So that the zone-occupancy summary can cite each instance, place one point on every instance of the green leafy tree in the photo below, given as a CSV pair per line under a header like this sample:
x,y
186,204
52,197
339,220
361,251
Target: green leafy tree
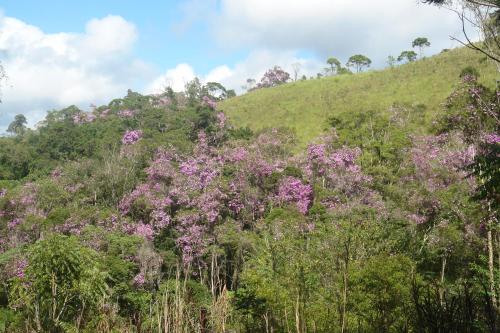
x,y
421,43
63,281
193,91
409,56
335,65
359,62
18,126
391,61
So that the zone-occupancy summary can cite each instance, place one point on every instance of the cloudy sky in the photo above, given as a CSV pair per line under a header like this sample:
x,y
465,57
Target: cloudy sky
x,y
58,52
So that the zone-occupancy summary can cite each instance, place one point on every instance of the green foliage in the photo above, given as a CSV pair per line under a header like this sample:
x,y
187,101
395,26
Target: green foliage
x,y
387,243
63,280
469,70
409,56
359,61
306,106
18,126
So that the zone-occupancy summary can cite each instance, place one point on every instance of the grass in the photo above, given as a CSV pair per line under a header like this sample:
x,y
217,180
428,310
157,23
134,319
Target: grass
x,y
306,106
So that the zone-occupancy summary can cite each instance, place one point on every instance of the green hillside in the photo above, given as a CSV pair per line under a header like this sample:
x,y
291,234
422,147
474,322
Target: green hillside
x,y
306,105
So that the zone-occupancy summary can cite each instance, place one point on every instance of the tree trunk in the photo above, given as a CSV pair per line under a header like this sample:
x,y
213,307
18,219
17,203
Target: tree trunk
x,y
345,289
491,267
441,287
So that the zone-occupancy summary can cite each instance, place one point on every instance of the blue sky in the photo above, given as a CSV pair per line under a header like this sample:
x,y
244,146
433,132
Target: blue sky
x,y
58,53
161,41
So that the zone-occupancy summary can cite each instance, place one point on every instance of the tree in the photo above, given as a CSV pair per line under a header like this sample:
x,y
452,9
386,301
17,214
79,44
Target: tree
x,y
274,77
359,61
62,281
482,15
335,65
421,43
409,56
250,84
193,91
391,61
18,126
296,69
216,90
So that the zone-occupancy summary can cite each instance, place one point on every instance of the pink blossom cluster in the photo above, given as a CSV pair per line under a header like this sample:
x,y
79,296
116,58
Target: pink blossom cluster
x,y
105,113
131,137
292,190
207,101
274,77
20,268
193,193
139,280
221,120
431,155
14,223
144,230
126,113
335,168
83,117
193,238
492,138
56,173
71,227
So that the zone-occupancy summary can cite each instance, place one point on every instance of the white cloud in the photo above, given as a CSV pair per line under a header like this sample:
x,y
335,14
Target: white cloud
x,y
330,27
255,65
219,74
235,77
56,70
277,31
175,78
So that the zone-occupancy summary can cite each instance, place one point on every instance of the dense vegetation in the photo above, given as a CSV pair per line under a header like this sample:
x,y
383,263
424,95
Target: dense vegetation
x,y
158,214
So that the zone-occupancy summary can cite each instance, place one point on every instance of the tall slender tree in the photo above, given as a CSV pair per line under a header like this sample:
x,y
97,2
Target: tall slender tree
x,y
421,43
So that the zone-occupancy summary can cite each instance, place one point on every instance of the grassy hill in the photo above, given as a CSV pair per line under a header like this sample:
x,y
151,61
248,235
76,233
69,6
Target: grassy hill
x,y
307,105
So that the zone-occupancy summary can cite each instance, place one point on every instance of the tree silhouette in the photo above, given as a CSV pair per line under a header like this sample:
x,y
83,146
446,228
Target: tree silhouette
x,y
409,56
335,65
421,43
359,61
18,126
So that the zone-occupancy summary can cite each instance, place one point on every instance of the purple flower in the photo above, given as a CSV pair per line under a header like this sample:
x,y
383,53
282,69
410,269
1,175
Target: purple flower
x,y
417,219
291,190
209,102
82,117
492,138
144,230
131,137
20,268
189,168
104,113
273,77
14,223
56,173
126,113
221,119
139,280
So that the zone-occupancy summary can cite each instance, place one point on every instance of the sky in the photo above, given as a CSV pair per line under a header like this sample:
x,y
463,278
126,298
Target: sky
x,y
58,53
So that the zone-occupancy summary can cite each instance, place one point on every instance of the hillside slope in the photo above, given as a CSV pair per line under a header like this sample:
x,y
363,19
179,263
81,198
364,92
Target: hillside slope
x,y
306,105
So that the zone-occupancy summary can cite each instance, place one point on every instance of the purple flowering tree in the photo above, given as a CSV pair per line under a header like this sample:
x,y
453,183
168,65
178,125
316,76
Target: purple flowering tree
x,y
131,137
274,77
